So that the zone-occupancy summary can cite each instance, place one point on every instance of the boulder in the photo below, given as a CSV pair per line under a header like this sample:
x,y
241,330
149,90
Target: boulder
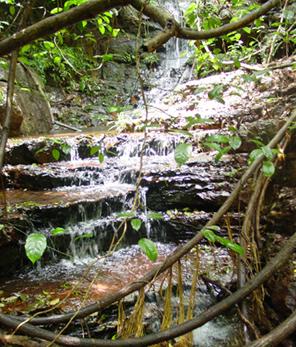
x,y
31,113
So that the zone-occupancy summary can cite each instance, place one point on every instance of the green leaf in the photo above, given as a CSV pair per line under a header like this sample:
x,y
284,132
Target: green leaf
x,y
247,30
155,215
35,246
268,168
231,245
209,235
12,10
235,142
126,214
236,248
48,45
57,60
57,231
136,224
255,154
149,248
102,29
218,138
216,93
267,152
101,157
24,60
182,153
222,151
56,154
56,10
94,150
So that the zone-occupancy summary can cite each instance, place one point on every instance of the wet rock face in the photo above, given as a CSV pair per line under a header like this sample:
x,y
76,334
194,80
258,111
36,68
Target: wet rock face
x,y
31,112
198,187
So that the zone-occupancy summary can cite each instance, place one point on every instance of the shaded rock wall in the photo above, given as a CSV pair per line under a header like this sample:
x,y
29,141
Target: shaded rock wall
x,y
31,113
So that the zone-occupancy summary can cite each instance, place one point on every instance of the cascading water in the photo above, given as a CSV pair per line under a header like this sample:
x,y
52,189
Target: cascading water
x,y
173,59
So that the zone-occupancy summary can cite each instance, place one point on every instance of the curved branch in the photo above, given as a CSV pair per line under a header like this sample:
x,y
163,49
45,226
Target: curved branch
x,y
190,34
227,28
171,259
277,335
91,8
274,265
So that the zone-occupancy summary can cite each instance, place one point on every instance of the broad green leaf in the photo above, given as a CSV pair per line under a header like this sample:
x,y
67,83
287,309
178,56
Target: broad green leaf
x,y
136,224
267,152
235,142
255,154
182,153
268,168
35,246
57,231
155,215
149,248
56,154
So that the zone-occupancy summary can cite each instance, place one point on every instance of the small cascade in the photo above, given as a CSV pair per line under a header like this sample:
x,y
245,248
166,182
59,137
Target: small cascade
x,y
146,219
74,154
174,58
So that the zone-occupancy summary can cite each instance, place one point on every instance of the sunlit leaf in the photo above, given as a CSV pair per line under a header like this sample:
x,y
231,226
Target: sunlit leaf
x,y
56,10
136,224
56,154
209,235
35,246
149,248
48,45
182,153
57,231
